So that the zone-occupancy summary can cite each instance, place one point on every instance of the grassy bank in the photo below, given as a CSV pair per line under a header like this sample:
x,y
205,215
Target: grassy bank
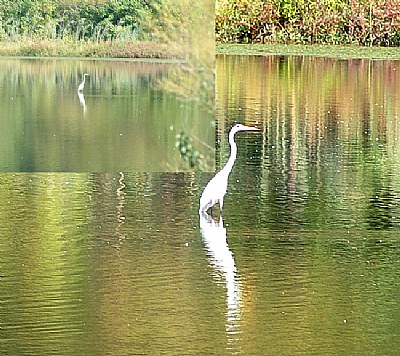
x,y
104,49
331,51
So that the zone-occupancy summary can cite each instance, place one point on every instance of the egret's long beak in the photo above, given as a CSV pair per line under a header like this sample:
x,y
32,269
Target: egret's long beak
x,y
250,128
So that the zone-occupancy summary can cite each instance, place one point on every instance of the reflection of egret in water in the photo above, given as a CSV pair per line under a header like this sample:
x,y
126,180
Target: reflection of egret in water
x,y
120,207
80,92
82,101
221,258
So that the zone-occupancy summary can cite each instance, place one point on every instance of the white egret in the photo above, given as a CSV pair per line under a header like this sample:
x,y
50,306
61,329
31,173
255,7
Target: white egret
x,y
216,188
82,85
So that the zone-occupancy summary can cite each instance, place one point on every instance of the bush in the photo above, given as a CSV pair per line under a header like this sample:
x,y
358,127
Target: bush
x,y
98,20
365,22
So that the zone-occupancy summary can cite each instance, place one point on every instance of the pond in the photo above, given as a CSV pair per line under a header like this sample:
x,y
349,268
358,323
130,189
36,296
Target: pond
x,y
329,153
304,260
122,120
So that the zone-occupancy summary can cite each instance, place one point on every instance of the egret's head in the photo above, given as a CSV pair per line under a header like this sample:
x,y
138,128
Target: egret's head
x,y
240,127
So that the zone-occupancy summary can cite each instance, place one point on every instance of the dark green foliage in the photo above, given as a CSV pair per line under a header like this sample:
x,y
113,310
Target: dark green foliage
x,y
21,16
365,22
95,20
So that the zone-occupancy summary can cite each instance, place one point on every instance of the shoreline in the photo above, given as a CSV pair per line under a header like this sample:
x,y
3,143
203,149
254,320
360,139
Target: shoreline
x,y
107,50
328,51
153,51
108,59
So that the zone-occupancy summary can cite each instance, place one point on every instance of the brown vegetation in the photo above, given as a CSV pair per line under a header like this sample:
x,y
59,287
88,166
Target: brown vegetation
x,y
109,49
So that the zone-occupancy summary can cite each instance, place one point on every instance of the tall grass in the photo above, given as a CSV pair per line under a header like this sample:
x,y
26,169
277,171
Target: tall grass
x,y
187,28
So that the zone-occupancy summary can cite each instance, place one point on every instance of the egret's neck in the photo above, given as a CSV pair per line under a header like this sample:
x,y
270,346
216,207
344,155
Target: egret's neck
x,y
232,158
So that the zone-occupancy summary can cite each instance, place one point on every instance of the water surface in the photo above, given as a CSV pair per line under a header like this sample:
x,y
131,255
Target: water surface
x,y
304,261
123,263
121,120
329,152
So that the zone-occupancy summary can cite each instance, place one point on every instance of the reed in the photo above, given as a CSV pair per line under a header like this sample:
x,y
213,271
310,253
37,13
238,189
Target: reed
x,y
74,48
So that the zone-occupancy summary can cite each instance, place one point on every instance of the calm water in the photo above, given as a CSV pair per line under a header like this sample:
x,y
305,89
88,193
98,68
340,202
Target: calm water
x,y
120,122
304,261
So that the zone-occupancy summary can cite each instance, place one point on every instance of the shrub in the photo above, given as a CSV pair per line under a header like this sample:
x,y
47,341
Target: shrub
x,y
99,20
365,22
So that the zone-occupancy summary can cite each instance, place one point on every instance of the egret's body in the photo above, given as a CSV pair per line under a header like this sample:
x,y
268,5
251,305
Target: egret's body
x,y
217,187
82,85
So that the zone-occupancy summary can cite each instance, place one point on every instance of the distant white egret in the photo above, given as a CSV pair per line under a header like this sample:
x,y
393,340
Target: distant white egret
x,y
82,85
216,188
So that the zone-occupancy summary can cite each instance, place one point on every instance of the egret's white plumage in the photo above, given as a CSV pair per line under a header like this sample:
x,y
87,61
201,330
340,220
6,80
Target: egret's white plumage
x,y
216,188
82,85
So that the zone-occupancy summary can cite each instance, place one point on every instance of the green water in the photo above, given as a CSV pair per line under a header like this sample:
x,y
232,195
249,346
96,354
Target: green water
x,y
304,260
121,121
122,263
